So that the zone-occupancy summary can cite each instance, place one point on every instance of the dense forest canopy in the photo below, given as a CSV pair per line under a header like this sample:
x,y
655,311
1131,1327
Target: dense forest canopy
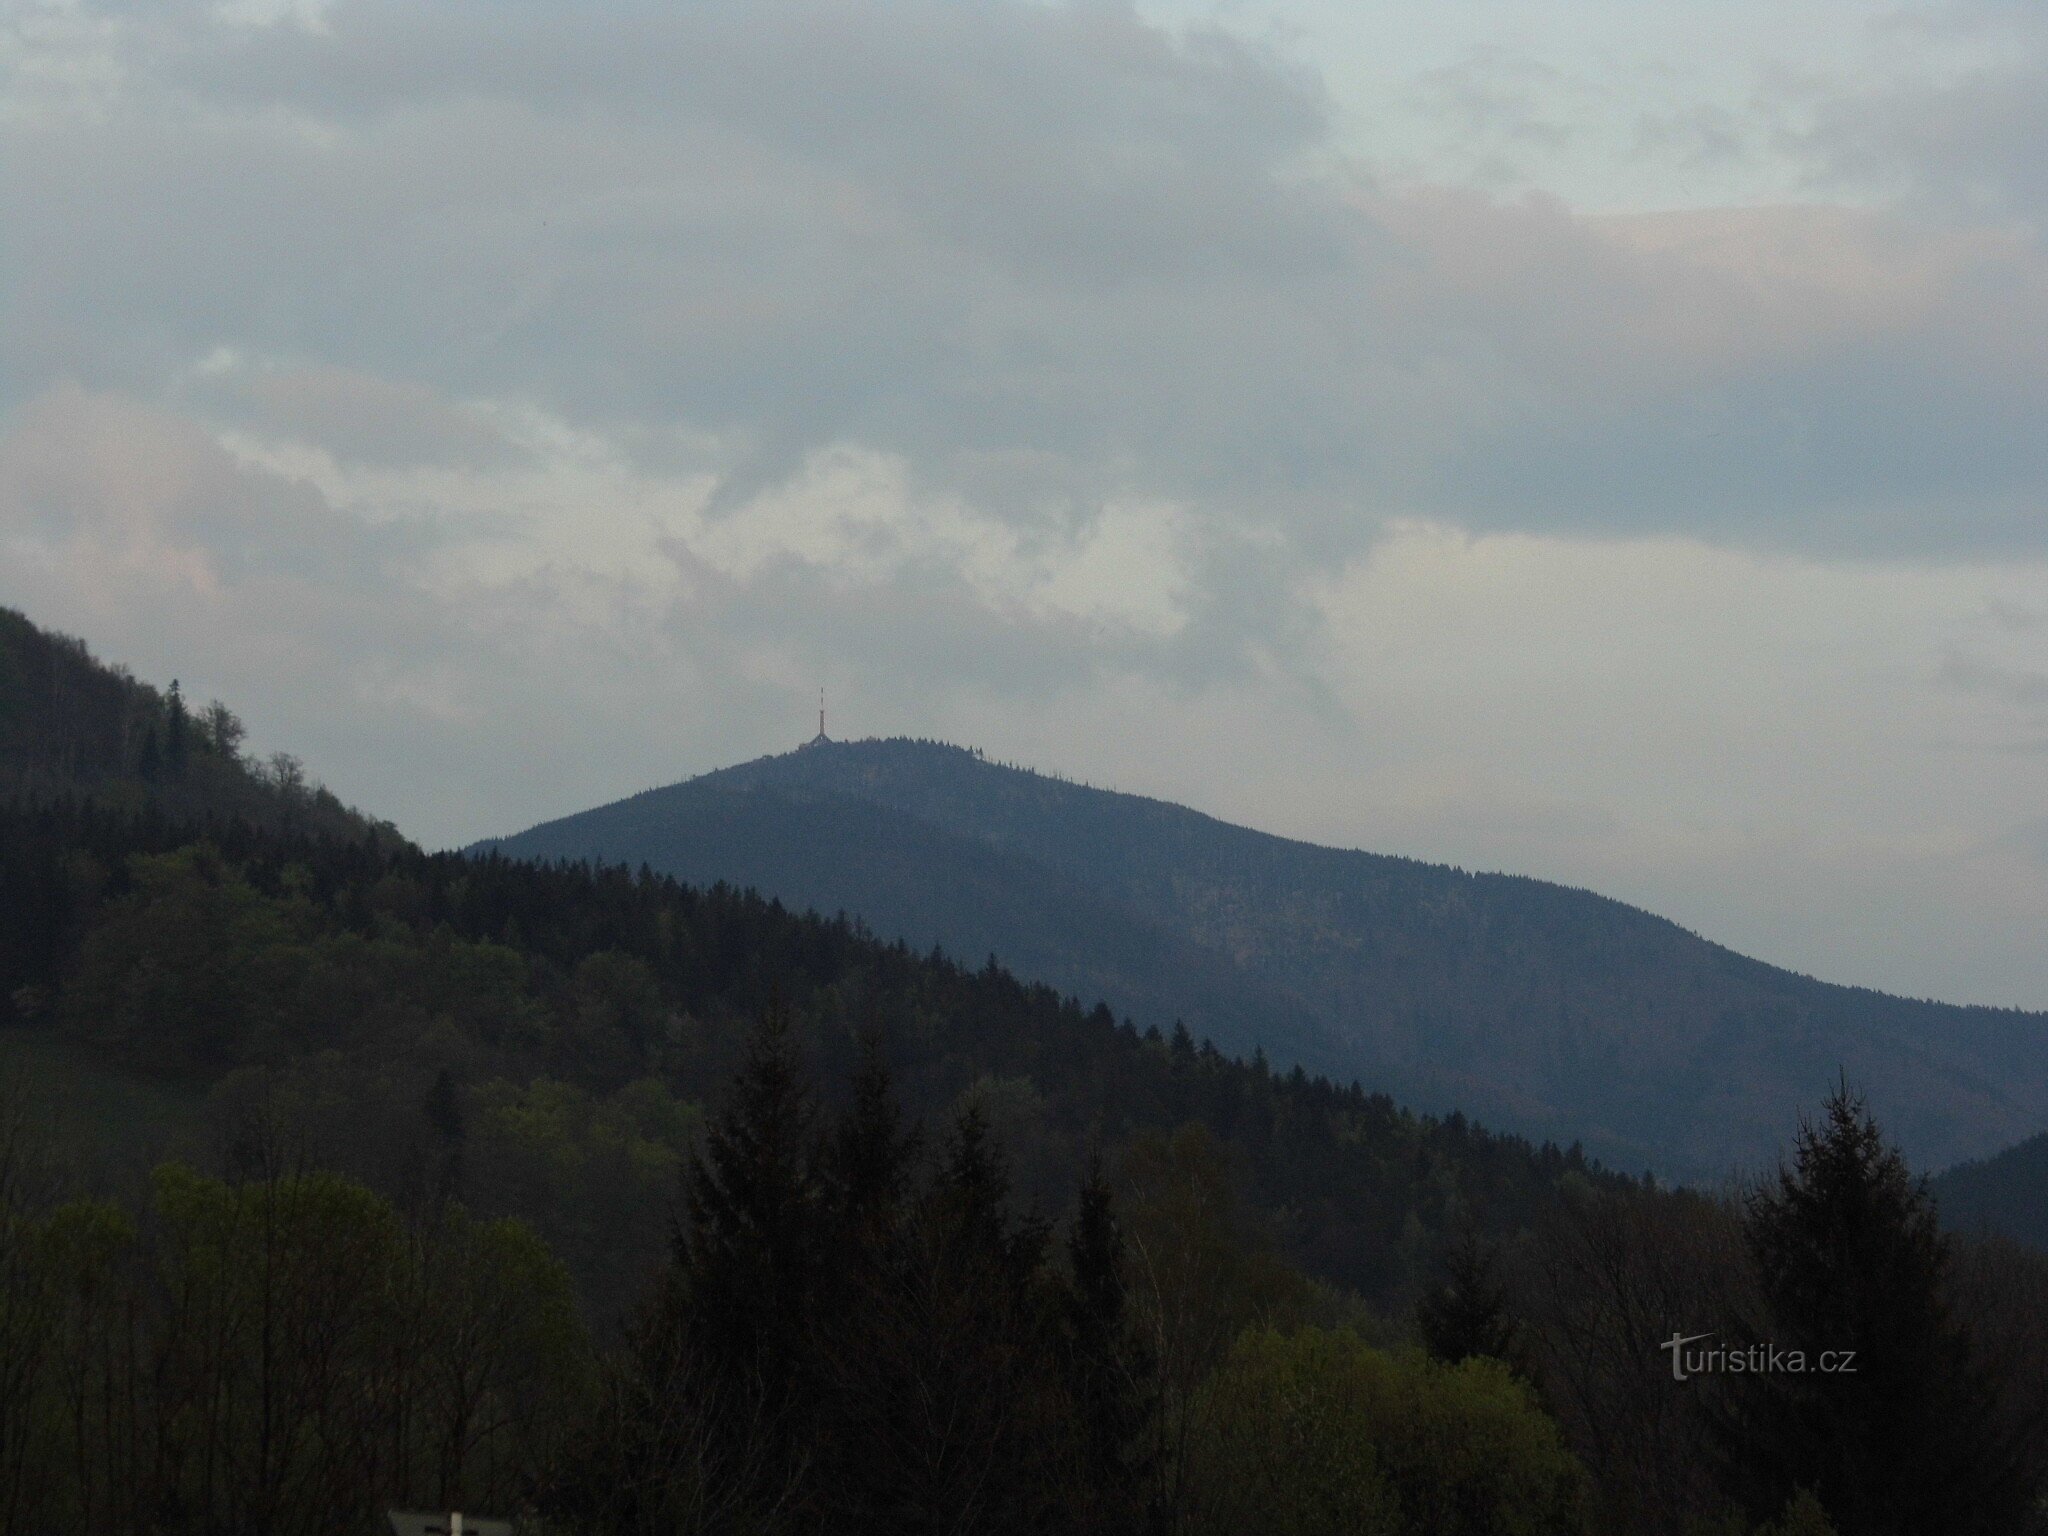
x,y
347,979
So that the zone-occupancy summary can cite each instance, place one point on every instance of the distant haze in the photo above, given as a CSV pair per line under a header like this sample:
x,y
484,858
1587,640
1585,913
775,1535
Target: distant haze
x,y
1595,440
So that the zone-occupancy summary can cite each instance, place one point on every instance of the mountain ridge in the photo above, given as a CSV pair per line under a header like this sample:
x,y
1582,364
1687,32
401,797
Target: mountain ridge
x,y
1549,1008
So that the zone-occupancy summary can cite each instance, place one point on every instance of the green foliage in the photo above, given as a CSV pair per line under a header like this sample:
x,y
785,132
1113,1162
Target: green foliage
x,y
175,973
854,1338
398,1051
1316,1433
616,1021
1206,1266
749,1261
1111,1371
375,969
594,1174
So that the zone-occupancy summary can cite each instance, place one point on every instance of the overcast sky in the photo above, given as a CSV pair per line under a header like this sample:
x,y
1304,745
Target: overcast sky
x,y
1599,439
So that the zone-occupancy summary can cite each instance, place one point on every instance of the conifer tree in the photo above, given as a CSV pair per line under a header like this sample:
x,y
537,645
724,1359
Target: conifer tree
x,y
443,1108
1803,1517
872,1150
1465,1312
175,732
736,1320
1109,1375
983,1457
1875,1403
864,1338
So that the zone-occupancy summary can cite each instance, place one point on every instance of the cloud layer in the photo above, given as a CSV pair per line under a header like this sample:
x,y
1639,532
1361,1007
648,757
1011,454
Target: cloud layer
x,y
512,410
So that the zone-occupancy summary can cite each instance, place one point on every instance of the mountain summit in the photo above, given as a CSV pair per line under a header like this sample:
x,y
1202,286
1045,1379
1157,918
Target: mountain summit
x,y
1536,1006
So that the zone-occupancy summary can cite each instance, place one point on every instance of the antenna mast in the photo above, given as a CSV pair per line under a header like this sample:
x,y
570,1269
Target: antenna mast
x,y
821,738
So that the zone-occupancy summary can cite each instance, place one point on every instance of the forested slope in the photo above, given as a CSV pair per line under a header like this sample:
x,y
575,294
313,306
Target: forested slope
x,y
927,885
1531,1005
546,1035
70,725
2006,1193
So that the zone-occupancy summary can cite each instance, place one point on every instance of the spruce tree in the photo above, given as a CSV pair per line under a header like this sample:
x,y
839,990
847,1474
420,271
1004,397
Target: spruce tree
x,y
175,732
1871,1396
872,1149
1465,1312
1109,1375
441,1170
985,1454
737,1315
443,1109
864,1338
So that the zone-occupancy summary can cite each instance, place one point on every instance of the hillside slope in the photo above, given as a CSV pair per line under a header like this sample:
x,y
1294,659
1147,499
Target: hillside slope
x,y
1552,1010
545,1041
906,878
71,725
2006,1193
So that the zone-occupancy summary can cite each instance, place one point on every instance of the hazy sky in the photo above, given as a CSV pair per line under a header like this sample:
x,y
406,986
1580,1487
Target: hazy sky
x,y
1600,439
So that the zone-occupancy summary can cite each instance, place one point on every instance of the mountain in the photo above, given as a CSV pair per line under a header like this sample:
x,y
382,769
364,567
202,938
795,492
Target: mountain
x,y
908,878
2006,1193
1547,1009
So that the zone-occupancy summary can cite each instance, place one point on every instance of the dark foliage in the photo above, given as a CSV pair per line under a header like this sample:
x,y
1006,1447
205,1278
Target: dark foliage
x,y
1906,1436
306,954
1465,1311
1110,1369
848,1341
71,726
851,1327
2006,1194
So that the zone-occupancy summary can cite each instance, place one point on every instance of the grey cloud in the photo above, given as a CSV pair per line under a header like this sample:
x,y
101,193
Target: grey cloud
x,y
1500,94
1970,674
368,420
77,466
2014,616
918,633
1966,146
1049,256
1700,135
140,487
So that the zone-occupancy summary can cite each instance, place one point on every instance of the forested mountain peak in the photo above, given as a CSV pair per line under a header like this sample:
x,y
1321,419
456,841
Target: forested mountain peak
x,y
1551,1009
